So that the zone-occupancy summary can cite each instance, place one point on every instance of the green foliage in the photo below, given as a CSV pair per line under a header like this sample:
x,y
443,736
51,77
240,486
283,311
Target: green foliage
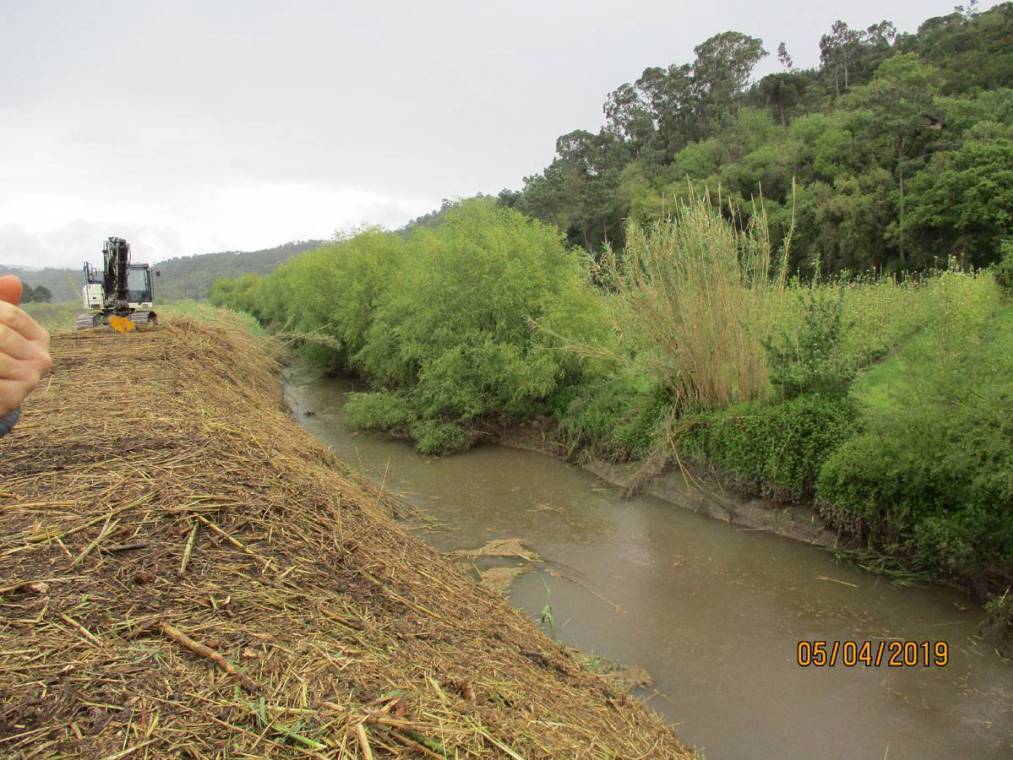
x,y
332,291
455,321
379,410
434,437
38,294
971,50
777,447
931,475
615,416
1003,271
890,151
810,360
467,323
964,199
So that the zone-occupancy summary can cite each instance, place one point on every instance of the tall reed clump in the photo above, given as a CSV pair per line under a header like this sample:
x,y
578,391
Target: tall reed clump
x,y
701,292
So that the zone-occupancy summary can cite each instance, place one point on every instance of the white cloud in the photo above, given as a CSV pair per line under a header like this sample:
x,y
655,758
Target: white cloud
x,y
198,219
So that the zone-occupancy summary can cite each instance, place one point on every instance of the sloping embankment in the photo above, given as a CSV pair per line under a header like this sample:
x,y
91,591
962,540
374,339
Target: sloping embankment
x,y
184,572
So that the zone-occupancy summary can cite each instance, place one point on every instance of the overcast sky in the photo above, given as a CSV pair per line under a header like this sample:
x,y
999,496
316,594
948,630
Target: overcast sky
x,y
190,127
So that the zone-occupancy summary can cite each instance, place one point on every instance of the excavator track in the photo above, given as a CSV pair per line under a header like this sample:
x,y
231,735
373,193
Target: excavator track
x,y
88,321
144,318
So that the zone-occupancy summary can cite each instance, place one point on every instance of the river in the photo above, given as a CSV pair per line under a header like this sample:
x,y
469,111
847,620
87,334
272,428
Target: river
x,y
712,611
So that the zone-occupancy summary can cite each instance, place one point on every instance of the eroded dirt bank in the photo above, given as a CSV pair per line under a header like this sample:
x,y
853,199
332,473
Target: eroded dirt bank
x,y
187,573
689,489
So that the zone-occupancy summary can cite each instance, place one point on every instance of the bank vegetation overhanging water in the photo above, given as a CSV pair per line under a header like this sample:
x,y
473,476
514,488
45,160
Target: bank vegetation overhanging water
x,y
884,403
187,572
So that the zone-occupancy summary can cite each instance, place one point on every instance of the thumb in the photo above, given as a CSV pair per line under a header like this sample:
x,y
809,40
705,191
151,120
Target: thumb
x,y
10,289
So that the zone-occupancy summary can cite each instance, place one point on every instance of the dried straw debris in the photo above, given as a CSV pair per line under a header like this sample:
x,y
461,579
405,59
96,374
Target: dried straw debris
x,y
185,573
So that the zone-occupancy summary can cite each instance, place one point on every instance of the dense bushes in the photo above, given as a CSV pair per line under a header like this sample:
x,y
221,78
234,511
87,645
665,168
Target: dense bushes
x,y
450,323
1004,270
889,402
810,359
332,291
466,324
931,485
777,448
931,476
615,416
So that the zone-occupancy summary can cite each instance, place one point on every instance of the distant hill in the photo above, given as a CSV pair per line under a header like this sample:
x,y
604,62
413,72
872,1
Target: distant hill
x,y
191,276
181,277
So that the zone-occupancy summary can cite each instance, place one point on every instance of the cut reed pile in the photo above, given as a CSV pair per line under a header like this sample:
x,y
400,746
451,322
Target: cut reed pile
x,y
184,572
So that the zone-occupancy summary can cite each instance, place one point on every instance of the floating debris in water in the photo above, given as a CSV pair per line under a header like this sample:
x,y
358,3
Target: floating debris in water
x,y
500,547
501,578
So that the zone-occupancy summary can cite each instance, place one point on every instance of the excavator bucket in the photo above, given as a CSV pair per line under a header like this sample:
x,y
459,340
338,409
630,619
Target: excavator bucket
x,y
121,324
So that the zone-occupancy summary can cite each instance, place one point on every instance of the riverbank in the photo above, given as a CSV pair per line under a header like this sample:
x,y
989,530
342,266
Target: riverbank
x,y
688,489
185,570
724,497
689,599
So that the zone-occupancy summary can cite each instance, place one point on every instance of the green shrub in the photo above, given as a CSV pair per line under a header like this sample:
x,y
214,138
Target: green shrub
x,y
471,324
931,476
810,360
1003,270
935,486
380,410
434,437
777,447
330,292
615,417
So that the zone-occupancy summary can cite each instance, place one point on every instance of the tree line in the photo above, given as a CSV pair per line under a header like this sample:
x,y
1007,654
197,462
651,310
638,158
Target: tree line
x,y
893,154
38,294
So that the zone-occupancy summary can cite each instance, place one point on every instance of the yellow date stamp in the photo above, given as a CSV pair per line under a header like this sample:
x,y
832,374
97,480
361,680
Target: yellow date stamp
x,y
892,653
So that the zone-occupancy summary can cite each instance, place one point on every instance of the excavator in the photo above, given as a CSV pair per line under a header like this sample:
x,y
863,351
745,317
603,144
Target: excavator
x,y
122,295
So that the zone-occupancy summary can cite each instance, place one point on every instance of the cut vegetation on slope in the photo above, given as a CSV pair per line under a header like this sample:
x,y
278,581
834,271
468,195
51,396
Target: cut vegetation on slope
x,y
187,573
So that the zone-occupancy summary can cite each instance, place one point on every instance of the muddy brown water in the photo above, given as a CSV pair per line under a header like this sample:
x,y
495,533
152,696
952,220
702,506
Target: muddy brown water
x,y
713,612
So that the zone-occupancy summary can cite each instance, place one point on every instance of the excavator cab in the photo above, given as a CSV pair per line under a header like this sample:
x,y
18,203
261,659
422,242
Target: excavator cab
x,y
139,285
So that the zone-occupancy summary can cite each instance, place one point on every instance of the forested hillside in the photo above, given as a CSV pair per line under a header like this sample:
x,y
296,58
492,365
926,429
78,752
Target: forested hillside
x,y
896,152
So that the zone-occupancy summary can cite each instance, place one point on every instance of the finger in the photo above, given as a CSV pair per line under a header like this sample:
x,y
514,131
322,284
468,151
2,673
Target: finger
x,y
22,371
10,289
15,345
12,393
17,319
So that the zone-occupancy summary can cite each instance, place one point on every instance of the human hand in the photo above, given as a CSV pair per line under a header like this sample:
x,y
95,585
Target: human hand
x,y
24,348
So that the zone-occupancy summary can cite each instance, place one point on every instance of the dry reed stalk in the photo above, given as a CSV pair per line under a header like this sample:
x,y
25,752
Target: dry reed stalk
x,y
197,648
699,293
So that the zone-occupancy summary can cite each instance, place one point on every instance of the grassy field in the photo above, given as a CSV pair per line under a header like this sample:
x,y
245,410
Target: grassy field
x,y
54,316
